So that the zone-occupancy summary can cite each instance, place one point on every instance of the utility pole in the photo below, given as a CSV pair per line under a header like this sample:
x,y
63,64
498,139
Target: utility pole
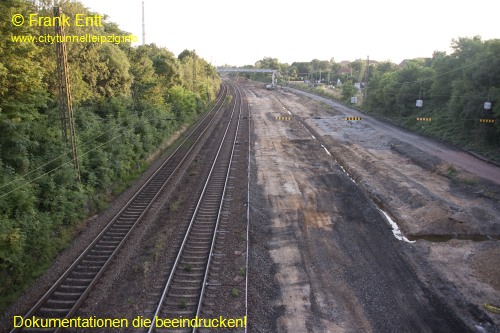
x,y
65,100
366,77
143,25
194,70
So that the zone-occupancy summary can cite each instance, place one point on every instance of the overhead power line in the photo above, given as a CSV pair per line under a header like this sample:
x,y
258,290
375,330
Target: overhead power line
x,y
65,163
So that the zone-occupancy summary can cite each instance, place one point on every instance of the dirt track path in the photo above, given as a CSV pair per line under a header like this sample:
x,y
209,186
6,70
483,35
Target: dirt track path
x,y
336,261
454,156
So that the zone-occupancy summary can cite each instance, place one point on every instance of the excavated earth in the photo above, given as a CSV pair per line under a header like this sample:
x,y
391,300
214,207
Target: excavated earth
x,y
363,231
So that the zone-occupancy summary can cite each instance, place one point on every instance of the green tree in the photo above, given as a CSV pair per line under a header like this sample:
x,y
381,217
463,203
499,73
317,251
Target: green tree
x,y
22,91
165,65
183,103
414,83
357,67
303,69
186,53
146,89
268,63
115,80
348,91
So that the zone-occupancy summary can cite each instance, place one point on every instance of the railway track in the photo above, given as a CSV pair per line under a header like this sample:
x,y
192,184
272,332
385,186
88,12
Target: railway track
x,y
71,289
192,272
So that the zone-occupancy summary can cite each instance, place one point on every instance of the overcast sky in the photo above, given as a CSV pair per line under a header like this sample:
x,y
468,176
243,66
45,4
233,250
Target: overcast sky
x,y
242,32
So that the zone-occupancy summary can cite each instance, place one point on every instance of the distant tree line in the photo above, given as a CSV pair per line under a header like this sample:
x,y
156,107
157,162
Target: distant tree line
x,y
457,90
127,102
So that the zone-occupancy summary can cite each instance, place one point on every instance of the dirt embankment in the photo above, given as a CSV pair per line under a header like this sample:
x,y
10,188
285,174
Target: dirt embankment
x,y
338,265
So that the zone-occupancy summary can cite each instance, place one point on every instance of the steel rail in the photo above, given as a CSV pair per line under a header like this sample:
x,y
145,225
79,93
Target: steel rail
x,y
193,219
212,246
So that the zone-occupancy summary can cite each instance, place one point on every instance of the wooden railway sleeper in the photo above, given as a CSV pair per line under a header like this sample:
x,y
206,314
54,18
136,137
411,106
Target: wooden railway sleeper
x,y
93,263
196,245
121,226
176,287
79,281
89,264
189,276
197,252
110,238
177,313
66,294
54,312
104,246
82,275
175,302
71,287
201,235
116,233
101,252
186,257
204,224
182,281
184,295
192,265
98,257
205,227
106,241
59,302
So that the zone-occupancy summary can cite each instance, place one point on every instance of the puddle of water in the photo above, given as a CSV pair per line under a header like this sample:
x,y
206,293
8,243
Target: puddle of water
x,y
326,150
395,229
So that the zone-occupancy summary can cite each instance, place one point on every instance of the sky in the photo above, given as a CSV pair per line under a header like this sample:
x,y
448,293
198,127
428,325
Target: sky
x,y
243,32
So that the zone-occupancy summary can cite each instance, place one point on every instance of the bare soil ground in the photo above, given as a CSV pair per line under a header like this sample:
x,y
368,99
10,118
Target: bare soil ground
x,y
332,252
